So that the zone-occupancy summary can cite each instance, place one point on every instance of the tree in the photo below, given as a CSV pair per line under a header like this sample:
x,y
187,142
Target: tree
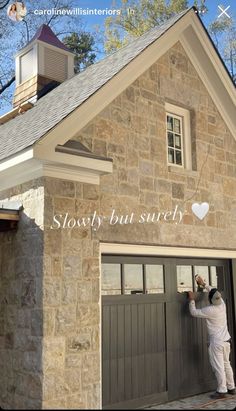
x,y
14,36
136,18
82,44
223,33
4,3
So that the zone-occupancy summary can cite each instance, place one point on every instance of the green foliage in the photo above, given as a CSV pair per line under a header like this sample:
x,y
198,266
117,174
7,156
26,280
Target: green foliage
x,y
82,45
136,18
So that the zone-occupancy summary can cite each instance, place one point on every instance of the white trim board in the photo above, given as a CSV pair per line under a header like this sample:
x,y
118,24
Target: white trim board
x,y
26,167
131,249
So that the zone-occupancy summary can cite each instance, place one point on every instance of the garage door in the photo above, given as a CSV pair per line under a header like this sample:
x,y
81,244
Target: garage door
x,y
152,349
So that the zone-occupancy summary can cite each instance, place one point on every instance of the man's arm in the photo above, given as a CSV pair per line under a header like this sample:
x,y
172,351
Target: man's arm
x,y
204,312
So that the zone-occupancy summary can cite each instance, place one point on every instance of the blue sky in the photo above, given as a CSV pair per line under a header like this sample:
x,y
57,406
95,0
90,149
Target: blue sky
x,y
91,21
212,5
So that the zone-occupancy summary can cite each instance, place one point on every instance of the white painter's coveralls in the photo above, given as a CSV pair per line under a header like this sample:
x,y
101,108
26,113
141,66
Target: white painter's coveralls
x,y
219,348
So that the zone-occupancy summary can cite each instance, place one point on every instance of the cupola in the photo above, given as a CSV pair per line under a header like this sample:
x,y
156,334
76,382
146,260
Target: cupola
x,y
41,65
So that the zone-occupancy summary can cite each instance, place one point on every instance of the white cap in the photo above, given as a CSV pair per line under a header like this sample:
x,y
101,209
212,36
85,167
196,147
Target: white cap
x,y
216,298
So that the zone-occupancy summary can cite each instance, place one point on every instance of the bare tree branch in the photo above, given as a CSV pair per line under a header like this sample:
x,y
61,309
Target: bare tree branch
x,y
3,88
2,6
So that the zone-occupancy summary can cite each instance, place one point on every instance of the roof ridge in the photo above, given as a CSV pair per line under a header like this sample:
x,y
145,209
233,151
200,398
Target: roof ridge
x,y
175,17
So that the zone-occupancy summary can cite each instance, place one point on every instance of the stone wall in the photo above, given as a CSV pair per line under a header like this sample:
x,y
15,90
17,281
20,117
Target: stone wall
x,y
49,304
51,326
71,302
132,130
21,276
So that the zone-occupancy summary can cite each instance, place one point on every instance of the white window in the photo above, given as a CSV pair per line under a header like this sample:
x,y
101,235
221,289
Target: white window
x,y
178,137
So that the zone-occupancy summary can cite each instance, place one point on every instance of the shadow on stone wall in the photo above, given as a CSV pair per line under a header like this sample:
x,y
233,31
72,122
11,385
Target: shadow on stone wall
x,y
21,316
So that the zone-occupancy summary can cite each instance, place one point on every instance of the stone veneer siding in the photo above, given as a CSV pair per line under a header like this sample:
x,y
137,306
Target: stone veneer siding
x,y
21,276
60,344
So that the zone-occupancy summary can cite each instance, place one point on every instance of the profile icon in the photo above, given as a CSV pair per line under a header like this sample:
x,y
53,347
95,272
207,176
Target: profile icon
x,y
16,11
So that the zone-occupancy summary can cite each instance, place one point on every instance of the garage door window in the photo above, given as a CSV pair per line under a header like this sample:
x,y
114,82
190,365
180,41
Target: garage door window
x,y
154,279
184,278
133,276
212,275
129,279
111,279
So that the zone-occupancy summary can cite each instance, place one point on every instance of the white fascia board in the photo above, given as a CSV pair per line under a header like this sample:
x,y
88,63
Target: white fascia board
x,y
93,165
26,166
20,173
214,57
217,85
72,174
32,169
16,160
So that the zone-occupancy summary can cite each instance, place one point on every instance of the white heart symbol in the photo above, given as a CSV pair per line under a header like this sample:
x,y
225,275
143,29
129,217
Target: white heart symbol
x,y
200,210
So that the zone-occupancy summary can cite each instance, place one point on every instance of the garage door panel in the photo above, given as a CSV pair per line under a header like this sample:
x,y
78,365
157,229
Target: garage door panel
x,y
153,349
114,353
106,354
121,351
188,340
128,354
134,368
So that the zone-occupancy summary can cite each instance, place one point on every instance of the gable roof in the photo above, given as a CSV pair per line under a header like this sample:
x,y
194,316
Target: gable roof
x,y
25,130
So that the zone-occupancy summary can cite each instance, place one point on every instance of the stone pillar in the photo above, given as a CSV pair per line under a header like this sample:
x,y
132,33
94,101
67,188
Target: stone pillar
x,y
71,294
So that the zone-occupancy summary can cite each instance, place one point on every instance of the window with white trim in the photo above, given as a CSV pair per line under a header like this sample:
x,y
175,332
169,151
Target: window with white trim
x,y
175,140
178,137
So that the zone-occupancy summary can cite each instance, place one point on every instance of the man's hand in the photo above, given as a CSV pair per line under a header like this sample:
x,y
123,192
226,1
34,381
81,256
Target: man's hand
x,y
200,280
191,296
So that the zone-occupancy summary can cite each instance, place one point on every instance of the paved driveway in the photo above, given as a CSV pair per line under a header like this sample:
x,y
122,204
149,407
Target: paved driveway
x,y
202,401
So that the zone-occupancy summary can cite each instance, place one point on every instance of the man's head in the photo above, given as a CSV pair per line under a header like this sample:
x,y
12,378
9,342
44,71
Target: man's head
x,y
215,297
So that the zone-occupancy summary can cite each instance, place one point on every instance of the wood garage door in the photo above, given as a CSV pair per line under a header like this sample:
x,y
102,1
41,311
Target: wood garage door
x,y
152,349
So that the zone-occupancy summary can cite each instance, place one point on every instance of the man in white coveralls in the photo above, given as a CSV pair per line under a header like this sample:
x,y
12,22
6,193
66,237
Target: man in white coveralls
x,y
219,338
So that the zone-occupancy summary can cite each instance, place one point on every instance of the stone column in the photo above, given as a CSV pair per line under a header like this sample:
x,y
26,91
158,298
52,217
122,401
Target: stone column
x,y
71,294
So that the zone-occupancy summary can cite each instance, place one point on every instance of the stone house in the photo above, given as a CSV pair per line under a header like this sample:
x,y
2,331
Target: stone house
x,y
106,167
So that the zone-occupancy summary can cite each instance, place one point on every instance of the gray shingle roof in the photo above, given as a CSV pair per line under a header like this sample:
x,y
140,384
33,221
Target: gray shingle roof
x,y
24,130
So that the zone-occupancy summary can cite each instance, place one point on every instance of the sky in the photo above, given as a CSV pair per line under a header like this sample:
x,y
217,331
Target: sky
x,y
212,5
215,8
